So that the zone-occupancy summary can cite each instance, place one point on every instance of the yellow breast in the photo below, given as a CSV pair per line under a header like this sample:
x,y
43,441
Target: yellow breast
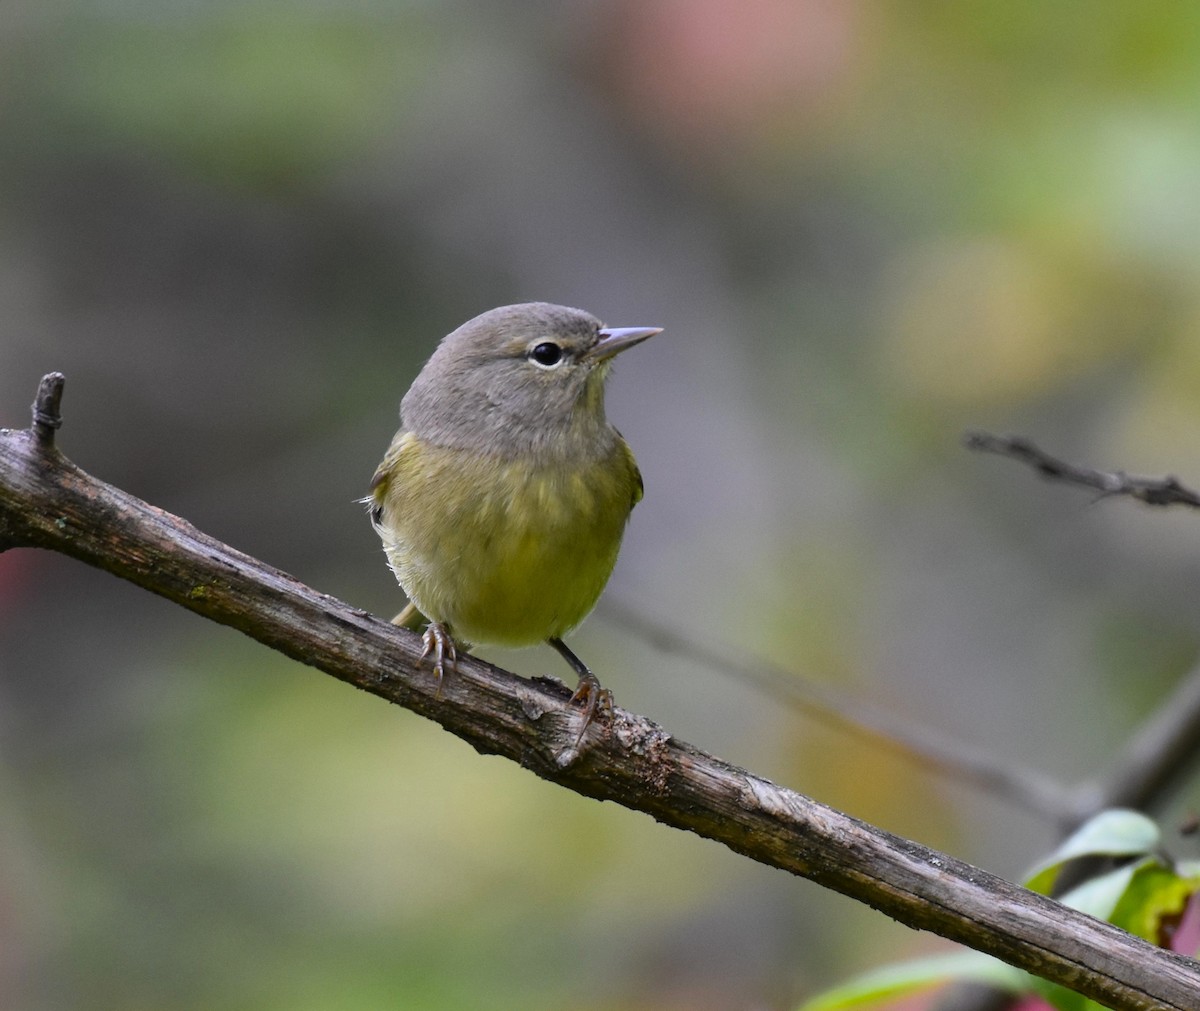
x,y
502,551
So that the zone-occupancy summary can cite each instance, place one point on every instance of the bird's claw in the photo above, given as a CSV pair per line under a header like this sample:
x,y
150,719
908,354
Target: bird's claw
x,y
595,699
438,641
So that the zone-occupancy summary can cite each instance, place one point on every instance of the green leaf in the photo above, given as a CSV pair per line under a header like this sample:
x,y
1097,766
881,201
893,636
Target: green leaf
x,y
904,978
1136,896
1116,832
1155,893
1099,896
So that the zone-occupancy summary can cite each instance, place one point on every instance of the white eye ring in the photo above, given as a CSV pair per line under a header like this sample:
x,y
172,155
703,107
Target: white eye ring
x,y
547,355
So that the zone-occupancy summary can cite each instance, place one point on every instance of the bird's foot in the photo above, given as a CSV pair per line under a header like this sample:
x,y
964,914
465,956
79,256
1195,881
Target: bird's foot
x,y
595,699
439,643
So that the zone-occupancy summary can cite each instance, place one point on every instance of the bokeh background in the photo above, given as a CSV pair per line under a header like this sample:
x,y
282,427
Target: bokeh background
x,y
239,228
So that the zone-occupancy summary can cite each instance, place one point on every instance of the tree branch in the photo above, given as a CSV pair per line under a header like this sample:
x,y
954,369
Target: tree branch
x,y
1156,491
47,502
920,745
1161,752
1168,742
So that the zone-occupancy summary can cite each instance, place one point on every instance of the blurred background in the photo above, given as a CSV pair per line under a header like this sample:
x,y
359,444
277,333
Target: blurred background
x,y
240,228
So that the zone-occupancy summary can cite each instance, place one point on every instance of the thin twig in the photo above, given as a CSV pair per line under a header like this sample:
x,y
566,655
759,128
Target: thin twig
x,y
1168,742
919,745
1156,491
47,502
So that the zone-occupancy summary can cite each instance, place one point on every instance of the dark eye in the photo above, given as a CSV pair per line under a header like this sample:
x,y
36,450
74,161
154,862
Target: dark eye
x,y
547,354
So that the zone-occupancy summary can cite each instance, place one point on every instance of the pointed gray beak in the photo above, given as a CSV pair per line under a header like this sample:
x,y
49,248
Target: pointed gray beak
x,y
615,339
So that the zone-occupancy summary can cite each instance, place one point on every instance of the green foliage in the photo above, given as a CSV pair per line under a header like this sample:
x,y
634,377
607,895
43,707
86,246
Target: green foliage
x,y
1142,895
905,978
1116,833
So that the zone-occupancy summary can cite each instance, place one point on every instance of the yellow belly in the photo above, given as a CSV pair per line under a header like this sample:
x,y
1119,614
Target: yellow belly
x,y
502,552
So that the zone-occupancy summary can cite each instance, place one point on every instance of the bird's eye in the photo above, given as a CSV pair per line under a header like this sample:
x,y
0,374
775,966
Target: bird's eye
x,y
547,354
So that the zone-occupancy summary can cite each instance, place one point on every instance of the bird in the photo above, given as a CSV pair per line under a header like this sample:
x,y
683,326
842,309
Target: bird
x,y
503,498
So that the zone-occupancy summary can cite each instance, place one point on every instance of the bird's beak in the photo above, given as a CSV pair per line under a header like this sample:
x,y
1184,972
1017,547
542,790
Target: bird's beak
x,y
615,339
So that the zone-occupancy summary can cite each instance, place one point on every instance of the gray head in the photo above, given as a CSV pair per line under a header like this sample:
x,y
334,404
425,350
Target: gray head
x,y
521,379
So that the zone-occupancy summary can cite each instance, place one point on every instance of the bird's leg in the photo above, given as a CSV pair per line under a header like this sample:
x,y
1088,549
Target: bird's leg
x,y
440,643
409,618
589,691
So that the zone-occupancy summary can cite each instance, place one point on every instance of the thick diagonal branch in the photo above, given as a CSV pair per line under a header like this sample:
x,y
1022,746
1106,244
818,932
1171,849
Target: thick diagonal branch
x,y
47,502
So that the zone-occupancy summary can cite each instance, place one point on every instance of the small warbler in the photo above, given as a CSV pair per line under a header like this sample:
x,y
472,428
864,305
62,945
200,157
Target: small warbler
x,y
502,500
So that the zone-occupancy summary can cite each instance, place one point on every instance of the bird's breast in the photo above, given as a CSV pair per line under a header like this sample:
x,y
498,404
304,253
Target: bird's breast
x,y
505,550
